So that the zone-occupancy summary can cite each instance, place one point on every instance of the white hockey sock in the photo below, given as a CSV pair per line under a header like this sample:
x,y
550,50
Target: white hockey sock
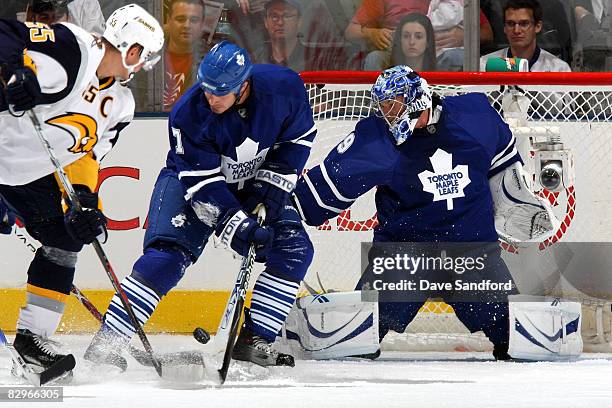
x,y
272,300
143,300
39,320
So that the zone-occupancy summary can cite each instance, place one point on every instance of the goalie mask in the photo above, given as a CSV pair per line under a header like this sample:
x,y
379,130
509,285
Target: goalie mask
x,y
399,96
131,25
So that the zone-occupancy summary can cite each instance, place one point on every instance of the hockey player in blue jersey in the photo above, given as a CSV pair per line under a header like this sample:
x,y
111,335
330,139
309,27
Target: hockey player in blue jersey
x,y
238,139
415,140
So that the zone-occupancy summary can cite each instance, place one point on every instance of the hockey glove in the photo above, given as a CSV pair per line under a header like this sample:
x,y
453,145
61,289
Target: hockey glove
x,y
7,219
272,186
23,89
88,224
238,231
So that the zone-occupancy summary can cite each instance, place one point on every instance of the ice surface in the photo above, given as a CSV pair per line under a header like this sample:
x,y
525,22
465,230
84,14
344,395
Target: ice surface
x,y
397,379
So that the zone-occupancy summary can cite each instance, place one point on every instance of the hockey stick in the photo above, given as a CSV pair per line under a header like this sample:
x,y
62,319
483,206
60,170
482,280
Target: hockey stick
x,y
74,201
230,321
64,365
142,357
184,357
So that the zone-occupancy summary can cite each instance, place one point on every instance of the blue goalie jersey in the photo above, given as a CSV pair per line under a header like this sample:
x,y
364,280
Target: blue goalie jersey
x,y
217,156
432,188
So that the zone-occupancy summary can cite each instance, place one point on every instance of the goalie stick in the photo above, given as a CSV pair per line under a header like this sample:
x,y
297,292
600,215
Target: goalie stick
x,y
37,379
74,201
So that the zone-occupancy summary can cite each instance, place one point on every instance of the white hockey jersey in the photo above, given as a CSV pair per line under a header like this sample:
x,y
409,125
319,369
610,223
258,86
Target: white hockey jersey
x,y
79,113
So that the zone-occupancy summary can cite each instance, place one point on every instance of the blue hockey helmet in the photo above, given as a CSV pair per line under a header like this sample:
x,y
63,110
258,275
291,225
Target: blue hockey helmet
x,y
224,69
396,81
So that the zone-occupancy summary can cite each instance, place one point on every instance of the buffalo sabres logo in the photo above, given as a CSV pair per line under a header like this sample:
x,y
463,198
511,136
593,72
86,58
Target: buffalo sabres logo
x,y
86,136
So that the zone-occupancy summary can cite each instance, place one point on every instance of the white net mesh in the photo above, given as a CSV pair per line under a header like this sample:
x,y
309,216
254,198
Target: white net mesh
x,y
583,115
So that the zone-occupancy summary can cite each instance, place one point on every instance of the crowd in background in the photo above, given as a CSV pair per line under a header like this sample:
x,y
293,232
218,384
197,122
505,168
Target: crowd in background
x,y
428,35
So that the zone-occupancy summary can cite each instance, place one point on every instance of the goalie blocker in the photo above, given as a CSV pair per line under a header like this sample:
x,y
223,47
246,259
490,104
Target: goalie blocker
x,y
343,324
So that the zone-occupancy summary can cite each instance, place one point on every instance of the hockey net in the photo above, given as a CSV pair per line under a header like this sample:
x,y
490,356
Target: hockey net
x,y
579,105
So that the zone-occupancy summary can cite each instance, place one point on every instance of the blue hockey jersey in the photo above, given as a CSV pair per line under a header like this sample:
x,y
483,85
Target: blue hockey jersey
x,y
216,156
432,188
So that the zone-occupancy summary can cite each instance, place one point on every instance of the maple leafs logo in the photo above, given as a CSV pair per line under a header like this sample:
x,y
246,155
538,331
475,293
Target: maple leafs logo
x,y
446,182
248,160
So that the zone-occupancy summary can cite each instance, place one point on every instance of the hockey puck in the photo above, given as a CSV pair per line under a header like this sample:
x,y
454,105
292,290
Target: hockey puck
x,y
201,335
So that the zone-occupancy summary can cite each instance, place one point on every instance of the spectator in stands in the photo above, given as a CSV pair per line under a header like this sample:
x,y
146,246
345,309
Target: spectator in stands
x,y
593,24
522,23
555,35
282,22
87,14
414,44
447,20
375,20
184,48
246,17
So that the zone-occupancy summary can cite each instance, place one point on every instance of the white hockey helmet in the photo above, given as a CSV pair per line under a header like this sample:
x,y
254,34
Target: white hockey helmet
x,y
129,25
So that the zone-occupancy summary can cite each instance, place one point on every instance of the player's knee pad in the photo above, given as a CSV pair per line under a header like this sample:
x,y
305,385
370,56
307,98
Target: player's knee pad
x,y
544,328
52,268
161,267
332,325
291,253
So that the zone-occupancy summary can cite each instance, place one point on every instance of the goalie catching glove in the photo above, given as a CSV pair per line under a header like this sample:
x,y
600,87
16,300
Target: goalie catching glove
x,y
273,184
520,215
238,231
89,223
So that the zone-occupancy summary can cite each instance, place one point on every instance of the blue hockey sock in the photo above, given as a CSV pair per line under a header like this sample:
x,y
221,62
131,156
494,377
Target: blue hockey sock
x,y
142,299
272,300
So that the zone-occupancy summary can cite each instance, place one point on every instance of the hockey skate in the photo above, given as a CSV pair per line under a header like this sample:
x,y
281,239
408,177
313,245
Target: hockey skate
x,y
255,349
105,348
500,352
40,357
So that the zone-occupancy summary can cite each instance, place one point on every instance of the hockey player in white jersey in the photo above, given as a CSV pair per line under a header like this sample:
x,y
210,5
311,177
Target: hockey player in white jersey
x,y
73,81
415,143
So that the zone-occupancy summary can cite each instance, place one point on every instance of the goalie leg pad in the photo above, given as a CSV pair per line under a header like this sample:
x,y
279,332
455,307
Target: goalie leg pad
x,y
331,325
544,328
